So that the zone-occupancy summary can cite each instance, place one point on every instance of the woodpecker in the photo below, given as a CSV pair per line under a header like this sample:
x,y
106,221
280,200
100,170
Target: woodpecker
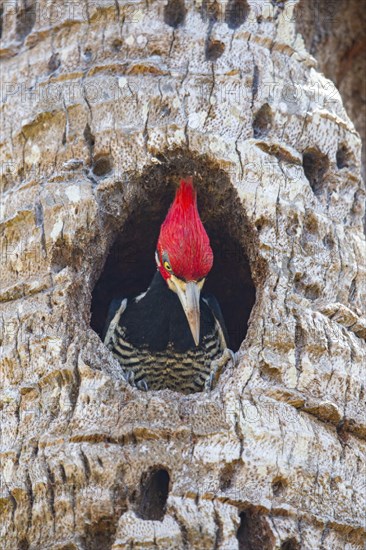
x,y
173,335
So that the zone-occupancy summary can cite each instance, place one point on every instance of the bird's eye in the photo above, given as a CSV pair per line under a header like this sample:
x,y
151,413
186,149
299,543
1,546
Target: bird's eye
x,y
167,266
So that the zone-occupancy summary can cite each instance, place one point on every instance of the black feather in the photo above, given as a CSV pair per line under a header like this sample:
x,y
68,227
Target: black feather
x,y
153,339
158,319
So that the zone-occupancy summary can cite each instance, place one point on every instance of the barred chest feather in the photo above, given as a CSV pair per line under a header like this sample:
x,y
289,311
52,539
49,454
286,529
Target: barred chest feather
x,y
150,336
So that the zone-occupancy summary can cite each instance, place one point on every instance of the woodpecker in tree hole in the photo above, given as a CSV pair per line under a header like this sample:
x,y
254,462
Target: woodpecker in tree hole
x,y
173,335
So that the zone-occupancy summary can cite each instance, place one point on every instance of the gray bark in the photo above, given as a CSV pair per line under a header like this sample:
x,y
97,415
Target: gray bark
x,y
104,105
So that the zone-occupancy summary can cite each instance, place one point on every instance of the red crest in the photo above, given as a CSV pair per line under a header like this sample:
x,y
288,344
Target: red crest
x,y
183,238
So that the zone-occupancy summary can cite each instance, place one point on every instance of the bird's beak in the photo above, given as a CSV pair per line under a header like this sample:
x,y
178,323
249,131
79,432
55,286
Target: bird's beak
x,y
189,296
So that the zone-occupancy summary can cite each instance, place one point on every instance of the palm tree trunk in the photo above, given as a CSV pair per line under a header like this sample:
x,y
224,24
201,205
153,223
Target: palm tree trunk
x,y
104,106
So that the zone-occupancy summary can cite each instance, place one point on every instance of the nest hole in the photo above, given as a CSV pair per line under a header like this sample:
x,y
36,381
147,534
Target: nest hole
x,y
315,165
130,265
175,13
154,495
236,13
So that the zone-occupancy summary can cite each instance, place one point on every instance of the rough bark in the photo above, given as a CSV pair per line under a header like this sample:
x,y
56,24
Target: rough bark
x,y
104,105
334,33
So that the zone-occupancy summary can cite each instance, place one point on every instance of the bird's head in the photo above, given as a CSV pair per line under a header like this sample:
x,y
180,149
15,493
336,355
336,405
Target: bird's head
x,y
184,256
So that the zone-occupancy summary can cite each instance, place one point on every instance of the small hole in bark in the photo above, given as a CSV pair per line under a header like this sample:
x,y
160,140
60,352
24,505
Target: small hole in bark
x,y
25,19
226,477
310,291
362,400
311,222
117,44
154,495
65,255
329,242
236,13
343,157
165,110
260,223
315,166
90,141
175,13
290,544
54,62
280,5
23,544
255,82
88,54
89,138
59,261
63,473
358,205
262,121
279,486
352,291
292,225
214,49
102,166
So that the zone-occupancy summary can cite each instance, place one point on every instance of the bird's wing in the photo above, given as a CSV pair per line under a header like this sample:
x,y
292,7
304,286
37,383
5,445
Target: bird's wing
x,y
116,308
213,304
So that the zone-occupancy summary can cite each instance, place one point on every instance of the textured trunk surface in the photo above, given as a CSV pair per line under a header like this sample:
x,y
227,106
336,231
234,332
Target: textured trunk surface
x,y
103,105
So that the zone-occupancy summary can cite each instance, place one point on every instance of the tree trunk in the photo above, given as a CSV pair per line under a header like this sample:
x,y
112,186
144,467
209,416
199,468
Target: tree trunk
x,y
105,105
